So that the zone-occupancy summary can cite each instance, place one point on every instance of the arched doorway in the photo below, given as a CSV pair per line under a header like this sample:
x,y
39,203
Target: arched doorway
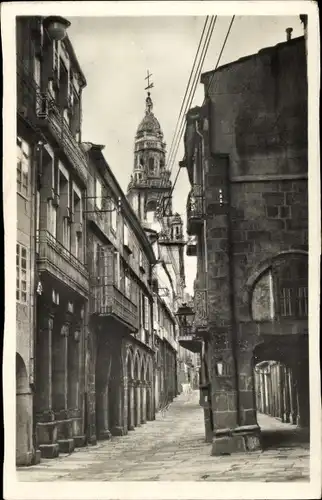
x,y
279,305
23,414
281,393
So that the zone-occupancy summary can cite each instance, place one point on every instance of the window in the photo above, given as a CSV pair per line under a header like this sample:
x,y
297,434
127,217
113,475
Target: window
x,y
141,264
125,235
146,313
21,268
78,248
302,301
52,218
151,165
23,163
66,233
117,273
282,291
114,218
127,286
98,194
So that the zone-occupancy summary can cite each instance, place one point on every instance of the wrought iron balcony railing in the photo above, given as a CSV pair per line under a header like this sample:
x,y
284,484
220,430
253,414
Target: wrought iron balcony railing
x,y
195,209
41,110
165,237
58,261
150,183
108,300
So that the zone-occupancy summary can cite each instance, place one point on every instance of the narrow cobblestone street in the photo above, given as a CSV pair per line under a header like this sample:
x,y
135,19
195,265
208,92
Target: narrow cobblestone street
x,y
172,448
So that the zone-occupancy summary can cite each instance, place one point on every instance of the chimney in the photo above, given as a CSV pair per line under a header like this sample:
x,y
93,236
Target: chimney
x,y
288,33
303,18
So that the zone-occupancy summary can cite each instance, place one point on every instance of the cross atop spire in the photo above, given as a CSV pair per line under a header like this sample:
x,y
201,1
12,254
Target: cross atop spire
x,y
150,85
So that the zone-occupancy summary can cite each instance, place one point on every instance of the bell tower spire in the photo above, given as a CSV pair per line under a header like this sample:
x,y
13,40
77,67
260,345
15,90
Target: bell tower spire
x,y
150,180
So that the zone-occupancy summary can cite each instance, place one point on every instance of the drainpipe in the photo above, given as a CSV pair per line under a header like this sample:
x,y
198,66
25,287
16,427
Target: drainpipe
x,y
205,281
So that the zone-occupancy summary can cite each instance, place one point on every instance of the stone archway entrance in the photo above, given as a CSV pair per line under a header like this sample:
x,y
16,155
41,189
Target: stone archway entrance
x,y
281,384
23,414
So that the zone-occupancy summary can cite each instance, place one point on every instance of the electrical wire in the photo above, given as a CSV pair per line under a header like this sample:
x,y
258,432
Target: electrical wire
x,y
162,196
186,105
206,95
186,92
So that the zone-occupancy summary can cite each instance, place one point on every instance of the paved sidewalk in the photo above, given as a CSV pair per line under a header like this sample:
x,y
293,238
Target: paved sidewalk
x,y
172,448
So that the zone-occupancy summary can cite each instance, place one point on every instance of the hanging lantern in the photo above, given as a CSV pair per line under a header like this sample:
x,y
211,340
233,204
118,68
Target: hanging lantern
x,y
56,27
185,315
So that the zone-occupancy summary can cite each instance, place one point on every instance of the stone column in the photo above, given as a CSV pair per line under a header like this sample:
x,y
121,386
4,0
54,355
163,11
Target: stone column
x,y
143,402
262,391
130,408
44,364
287,410
292,396
138,404
46,428
60,368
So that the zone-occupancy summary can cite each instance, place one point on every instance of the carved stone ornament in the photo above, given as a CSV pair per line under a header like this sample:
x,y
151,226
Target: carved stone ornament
x,y
221,341
77,335
244,344
64,332
200,306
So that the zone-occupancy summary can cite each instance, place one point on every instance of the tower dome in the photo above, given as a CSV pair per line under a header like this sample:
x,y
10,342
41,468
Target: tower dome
x,y
150,179
149,124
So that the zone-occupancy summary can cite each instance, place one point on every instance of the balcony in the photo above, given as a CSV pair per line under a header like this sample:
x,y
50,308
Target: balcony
x,y
55,259
108,301
150,183
192,246
195,210
190,342
42,112
166,238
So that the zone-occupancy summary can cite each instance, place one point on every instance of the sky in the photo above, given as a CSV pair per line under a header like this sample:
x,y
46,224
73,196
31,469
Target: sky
x,y
115,54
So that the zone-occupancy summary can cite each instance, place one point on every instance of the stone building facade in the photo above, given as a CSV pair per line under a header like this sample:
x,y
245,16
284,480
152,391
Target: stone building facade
x,y
246,157
51,182
120,342
149,193
96,337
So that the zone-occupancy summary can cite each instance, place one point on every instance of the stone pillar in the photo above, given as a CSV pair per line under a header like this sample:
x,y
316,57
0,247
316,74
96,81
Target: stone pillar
x,y
46,427
44,364
262,391
102,413
130,407
143,402
60,384
292,397
282,391
138,404
233,400
287,410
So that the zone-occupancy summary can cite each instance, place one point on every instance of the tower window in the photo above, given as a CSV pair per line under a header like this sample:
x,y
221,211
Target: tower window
x,y
151,165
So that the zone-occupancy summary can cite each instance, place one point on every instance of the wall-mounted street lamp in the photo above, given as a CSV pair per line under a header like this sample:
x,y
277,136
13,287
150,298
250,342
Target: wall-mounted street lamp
x,y
56,27
185,315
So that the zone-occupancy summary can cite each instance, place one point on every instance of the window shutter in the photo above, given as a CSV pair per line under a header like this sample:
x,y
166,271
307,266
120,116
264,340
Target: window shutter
x,y
146,313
